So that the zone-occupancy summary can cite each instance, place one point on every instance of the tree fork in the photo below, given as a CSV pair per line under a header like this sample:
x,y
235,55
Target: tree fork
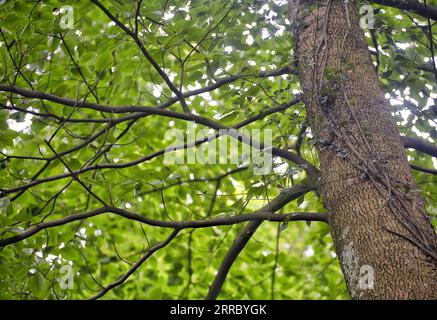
x,y
385,243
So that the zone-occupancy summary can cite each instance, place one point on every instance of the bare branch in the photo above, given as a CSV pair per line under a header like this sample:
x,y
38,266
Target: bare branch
x,y
244,236
138,264
260,215
420,145
424,170
140,45
74,103
311,170
415,6
75,176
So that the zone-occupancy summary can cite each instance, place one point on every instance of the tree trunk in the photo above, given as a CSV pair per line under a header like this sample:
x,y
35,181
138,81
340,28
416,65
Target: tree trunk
x,y
384,240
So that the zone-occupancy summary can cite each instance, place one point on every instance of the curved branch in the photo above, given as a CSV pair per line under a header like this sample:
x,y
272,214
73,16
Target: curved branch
x,y
146,53
415,6
311,170
244,236
81,103
179,95
424,170
206,223
73,103
138,264
181,182
420,145
143,110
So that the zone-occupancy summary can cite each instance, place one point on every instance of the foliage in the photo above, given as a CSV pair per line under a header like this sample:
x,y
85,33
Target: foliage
x,y
196,43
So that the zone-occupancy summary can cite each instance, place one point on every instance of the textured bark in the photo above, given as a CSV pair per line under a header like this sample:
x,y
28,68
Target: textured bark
x,y
377,216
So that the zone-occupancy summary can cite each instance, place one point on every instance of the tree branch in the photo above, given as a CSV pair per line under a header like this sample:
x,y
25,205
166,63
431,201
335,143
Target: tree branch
x,y
138,264
148,56
420,145
75,103
424,170
312,171
262,214
415,6
244,236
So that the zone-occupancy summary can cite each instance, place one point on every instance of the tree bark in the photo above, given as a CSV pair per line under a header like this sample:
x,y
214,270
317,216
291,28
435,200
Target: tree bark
x,y
385,243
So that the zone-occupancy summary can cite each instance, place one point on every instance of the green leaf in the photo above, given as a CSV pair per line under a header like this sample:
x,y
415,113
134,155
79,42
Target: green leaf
x,y
284,225
300,200
70,253
104,60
